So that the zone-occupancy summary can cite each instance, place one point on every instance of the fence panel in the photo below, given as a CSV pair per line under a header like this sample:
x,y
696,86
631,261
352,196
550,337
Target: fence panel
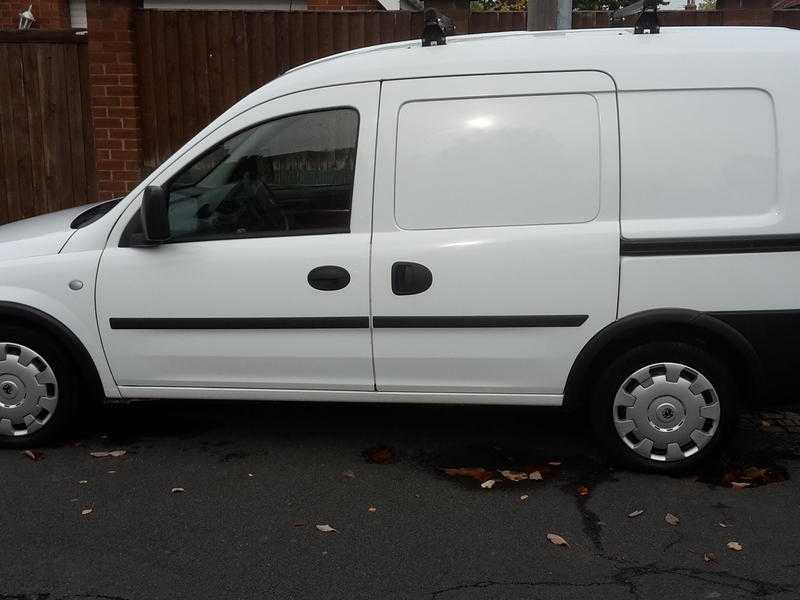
x,y
196,64
47,157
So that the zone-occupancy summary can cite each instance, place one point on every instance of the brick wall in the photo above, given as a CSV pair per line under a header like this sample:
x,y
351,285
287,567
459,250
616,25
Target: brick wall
x,y
114,95
343,5
49,14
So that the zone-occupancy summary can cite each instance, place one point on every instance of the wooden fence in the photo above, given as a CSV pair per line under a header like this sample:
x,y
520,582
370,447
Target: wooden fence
x,y
46,140
193,65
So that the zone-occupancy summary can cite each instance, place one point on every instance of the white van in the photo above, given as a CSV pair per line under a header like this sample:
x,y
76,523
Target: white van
x,y
598,220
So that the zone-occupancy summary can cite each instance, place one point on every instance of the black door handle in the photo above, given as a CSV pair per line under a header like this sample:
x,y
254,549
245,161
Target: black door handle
x,y
410,278
328,278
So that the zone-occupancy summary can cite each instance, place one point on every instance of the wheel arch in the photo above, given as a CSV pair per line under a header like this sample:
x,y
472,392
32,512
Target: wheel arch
x,y
678,324
35,318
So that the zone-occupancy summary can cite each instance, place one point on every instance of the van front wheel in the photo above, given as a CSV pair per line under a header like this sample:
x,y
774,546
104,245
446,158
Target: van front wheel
x,y
36,388
664,406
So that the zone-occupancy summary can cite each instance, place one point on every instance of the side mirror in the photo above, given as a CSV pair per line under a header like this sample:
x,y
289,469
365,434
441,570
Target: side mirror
x,y
155,214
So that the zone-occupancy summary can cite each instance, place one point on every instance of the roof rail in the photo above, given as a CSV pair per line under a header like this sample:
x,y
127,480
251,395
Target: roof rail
x,y
437,28
648,16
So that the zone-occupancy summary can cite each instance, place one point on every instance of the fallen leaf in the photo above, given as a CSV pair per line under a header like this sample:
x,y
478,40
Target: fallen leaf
x,y
380,455
635,513
722,524
477,473
556,539
740,485
736,546
372,509
514,475
326,529
251,474
83,481
87,511
671,519
583,490
487,485
709,557
348,475
524,497
178,490
34,455
535,475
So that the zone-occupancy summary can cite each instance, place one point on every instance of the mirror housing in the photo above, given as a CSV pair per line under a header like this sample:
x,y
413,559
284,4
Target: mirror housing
x,y
155,214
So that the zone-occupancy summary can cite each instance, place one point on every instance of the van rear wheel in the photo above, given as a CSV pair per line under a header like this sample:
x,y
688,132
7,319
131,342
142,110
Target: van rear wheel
x,y
664,406
36,388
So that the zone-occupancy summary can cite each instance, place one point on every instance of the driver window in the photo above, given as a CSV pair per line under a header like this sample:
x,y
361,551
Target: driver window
x,y
289,176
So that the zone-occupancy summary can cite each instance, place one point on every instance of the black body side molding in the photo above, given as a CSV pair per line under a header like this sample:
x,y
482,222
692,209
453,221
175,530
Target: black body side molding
x,y
709,245
481,321
243,323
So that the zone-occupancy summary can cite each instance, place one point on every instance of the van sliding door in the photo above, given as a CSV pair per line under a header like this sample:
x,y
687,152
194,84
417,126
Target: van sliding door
x,y
496,231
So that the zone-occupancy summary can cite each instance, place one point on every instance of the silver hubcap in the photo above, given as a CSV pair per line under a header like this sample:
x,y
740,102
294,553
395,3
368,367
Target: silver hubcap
x,y
28,390
666,411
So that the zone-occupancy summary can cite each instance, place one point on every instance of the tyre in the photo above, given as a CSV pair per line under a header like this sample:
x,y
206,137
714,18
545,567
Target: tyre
x,y
664,406
37,386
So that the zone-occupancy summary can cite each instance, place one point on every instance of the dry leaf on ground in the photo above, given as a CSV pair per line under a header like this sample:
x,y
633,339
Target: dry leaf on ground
x,y
524,497
583,490
635,513
178,490
87,511
380,455
514,475
735,546
556,539
83,481
487,485
709,557
34,455
740,485
671,519
326,529
536,475
372,509
477,473
348,475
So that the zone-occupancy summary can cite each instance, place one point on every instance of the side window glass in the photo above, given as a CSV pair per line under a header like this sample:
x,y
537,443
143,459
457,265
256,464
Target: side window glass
x,y
290,176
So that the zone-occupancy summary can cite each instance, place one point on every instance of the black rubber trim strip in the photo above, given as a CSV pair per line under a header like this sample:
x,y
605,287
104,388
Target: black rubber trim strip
x,y
244,323
710,245
481,321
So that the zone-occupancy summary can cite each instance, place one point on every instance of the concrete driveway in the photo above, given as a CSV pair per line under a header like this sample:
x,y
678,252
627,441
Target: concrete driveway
x,y
257,480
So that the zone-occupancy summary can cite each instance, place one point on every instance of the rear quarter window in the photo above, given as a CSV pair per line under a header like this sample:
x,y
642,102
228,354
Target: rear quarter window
x,y
501,161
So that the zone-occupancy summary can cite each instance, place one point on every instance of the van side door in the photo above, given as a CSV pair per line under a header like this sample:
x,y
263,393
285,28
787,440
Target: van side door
x,y
496,231
265,282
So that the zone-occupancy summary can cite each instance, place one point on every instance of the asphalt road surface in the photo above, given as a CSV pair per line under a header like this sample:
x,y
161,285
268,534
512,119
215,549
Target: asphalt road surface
x,y
258,479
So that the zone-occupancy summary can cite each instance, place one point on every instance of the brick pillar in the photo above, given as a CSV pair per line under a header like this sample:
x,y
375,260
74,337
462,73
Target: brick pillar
x,y
49,14
115,97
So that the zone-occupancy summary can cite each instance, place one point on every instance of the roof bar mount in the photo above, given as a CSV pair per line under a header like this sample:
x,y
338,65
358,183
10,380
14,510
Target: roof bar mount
x,y
648,15
437,28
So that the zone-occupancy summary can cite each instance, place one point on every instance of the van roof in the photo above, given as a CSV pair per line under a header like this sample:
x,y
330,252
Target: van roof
x,y
678,57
